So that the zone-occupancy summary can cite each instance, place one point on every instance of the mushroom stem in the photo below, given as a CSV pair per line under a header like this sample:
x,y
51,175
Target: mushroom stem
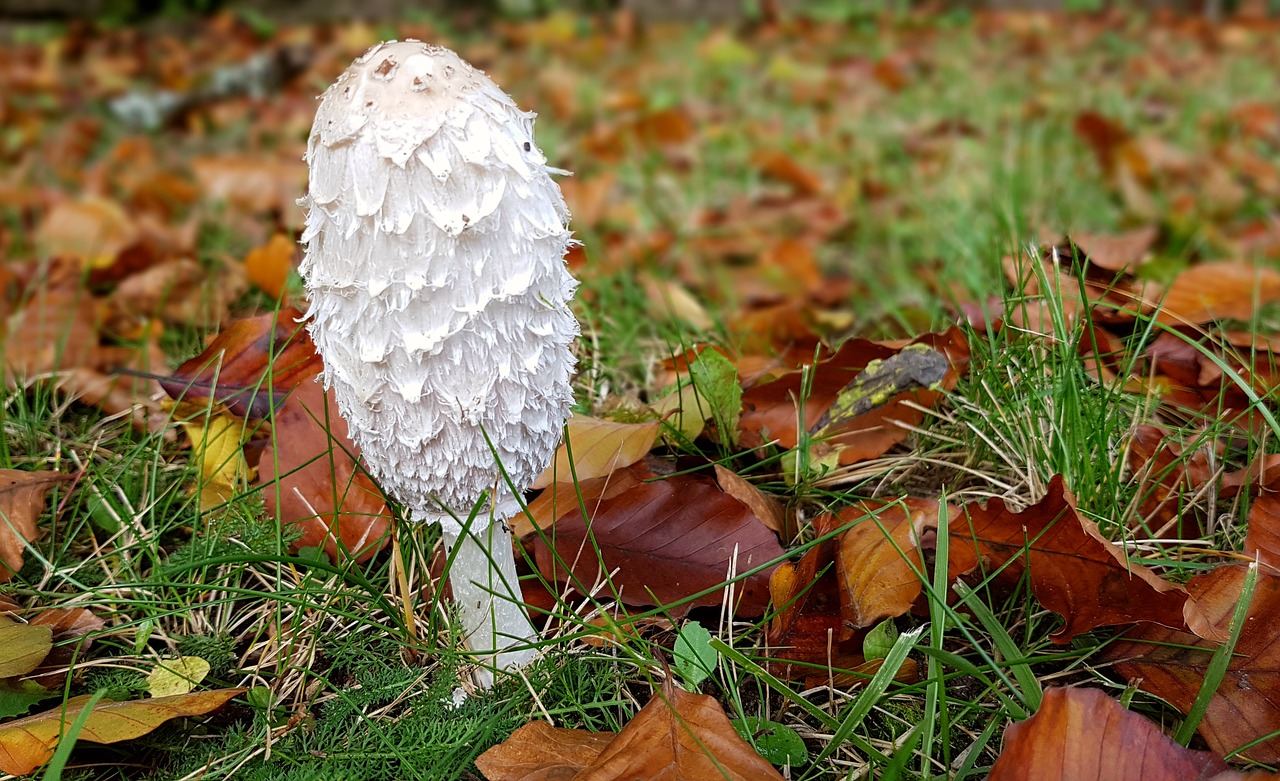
x,y
487,592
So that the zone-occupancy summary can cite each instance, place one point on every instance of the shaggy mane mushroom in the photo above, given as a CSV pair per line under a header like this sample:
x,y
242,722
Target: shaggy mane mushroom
x,y
435,243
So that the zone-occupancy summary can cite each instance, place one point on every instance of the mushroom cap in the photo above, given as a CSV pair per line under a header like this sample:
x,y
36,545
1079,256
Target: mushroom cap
x,y
435,245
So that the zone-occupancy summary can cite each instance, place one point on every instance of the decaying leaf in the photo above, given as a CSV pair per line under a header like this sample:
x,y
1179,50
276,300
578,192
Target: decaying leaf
x,y
1085,735
1171,664
250,367
1075,571
22,498
677,736
28,743
321,487
172,677
661,539
599,447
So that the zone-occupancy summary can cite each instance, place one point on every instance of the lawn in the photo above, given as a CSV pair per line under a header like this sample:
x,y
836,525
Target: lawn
x,y
924,422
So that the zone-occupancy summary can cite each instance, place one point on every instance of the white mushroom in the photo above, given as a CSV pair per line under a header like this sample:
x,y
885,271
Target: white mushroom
x,y
435,246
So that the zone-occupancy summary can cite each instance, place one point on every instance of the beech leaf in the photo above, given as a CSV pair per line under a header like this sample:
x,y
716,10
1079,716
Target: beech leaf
x,y
677,736
22,499
599,447
1084,735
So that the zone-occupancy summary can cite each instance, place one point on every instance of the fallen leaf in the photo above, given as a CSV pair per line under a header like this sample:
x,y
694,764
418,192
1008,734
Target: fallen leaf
x,y
1084,735
216,443
676,736
268,266
599,447
781,166
250,367
1123,253
56,329
172,677
321,487
767,507
22,497
1171,664
22,647
1218,291
877,559
1075,571
67,624
28,743
660,539
93,228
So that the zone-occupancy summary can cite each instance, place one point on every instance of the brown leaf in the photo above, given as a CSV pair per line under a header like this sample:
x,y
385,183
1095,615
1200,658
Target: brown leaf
x,y
22,497
93,228
56,329
1218,291
540,751
66,624
878,561
599,447
1262,541
321,488
1123,253
676,736
1084,735
767,507
250,367
181,292
1171,664
26,744
1075,571
779,165
664,539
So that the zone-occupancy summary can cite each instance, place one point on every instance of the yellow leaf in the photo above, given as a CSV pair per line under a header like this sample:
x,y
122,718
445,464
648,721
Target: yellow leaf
x,y
26,744
687,412
223,470
599,447
176,676
23,647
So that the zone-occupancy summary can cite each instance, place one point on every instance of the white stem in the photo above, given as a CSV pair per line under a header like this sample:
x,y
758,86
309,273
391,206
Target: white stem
x,y
487,591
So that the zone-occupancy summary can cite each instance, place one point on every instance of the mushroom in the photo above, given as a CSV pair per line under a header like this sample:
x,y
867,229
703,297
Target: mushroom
x,y
435,242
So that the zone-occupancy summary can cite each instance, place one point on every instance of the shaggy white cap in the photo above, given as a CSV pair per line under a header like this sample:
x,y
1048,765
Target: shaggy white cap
x,y
435,246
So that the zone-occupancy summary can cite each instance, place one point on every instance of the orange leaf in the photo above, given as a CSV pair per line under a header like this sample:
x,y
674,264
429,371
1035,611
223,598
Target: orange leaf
x,y
321,487
779,165
599,447
268,266
878,560
22,497
1084,735
676,736
1218,291
767,507
93,229
28,743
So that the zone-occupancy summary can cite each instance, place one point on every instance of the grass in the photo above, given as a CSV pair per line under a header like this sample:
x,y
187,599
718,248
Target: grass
x,y
344,685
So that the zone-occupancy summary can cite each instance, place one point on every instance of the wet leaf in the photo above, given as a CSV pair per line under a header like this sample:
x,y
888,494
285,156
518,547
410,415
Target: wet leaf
x,y
676,736
776,742
28,743
22,499
599,447
321,486
1084,735
663,538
